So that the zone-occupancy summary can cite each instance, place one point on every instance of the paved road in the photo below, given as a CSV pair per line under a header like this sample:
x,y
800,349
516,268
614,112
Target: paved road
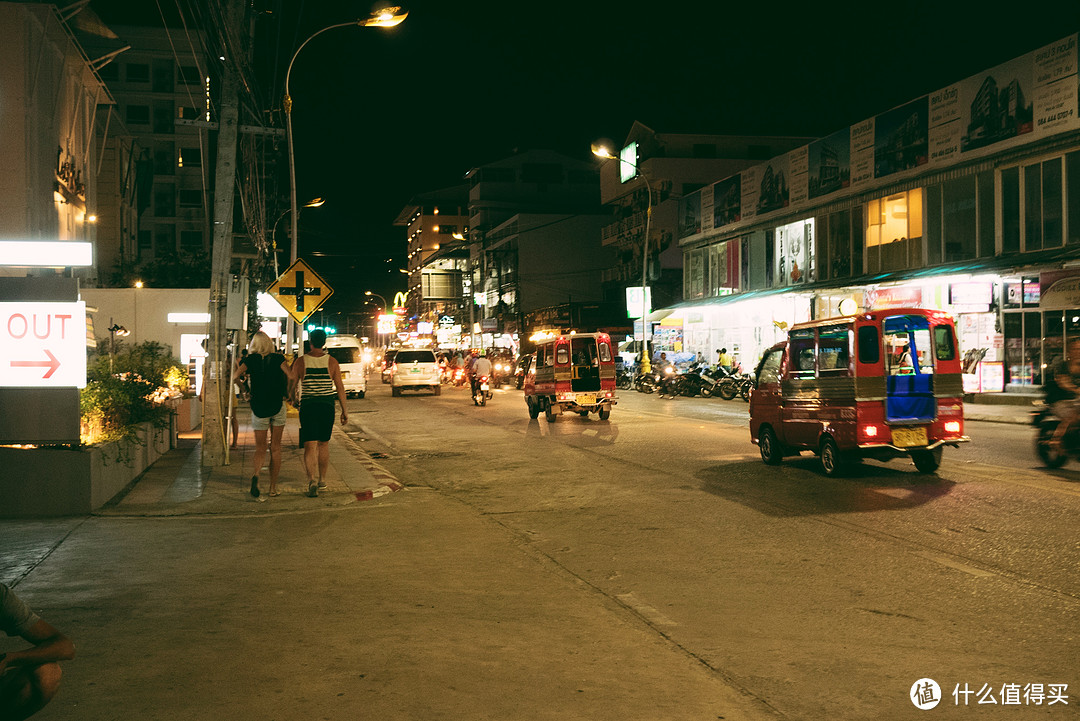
x,y
822,598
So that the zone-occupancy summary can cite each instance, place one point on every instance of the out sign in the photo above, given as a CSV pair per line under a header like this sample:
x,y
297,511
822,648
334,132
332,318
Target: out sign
x,y
42,345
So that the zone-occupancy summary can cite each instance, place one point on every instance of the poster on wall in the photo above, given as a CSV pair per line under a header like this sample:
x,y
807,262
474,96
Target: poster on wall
x,y
1056,87
793,252
829,164
706,214
900,138
1059,289
690,215
727,201
750,191
862,152
773,190
798,170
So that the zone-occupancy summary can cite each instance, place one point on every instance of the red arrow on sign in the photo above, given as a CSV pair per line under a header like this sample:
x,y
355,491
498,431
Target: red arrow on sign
x,y
52,364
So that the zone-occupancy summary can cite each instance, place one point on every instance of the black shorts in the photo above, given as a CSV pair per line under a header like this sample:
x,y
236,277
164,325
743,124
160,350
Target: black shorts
x,y
316,422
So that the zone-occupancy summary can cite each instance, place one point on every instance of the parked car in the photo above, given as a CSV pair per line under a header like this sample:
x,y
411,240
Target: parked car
x,y
388,364
415,369
346,350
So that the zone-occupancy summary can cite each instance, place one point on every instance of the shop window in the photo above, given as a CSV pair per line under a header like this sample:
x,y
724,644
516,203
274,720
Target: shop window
x,y
1010,210
934,235
1072,194
984,196
958,218
1051,203
1032,207
839,246
894,232
770,258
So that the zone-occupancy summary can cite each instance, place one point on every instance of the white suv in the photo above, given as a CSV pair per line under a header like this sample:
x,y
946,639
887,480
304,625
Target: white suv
x,y
415,368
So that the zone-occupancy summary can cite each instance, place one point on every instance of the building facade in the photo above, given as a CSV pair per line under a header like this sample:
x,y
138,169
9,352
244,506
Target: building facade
x,y
966,200
50,98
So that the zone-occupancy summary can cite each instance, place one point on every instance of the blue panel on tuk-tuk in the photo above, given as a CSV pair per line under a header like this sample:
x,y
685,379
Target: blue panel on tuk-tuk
x,y
910,397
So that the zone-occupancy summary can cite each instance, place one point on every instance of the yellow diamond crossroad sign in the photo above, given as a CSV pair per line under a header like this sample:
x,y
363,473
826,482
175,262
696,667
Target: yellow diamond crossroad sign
x,y
300,291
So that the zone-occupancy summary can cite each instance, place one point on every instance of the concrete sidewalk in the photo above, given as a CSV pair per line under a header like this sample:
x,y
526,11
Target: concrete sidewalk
x,y
177,484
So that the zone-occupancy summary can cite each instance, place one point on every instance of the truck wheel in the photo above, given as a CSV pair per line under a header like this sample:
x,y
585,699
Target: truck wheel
x,y
831,461
927,461
604,412
769,445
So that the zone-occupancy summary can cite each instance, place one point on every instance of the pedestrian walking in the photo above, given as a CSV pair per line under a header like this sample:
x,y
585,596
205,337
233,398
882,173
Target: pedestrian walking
x,y
268,374
317,376
29,678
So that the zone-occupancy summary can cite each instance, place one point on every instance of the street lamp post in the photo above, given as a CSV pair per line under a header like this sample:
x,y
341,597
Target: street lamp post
x,y
385,18
603,152
369,293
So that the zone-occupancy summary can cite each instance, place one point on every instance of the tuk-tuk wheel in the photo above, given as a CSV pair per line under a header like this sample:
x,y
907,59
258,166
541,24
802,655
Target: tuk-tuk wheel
x,y
927,461
604,412
534,410
830,458
769,446
550,414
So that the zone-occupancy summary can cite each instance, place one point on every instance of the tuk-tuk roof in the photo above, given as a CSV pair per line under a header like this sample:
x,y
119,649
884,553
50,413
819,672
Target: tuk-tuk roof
x,y
869,315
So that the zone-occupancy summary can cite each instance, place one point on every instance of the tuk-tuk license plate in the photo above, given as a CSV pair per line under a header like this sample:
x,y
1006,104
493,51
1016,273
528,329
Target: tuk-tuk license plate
x,y
906,437
583,400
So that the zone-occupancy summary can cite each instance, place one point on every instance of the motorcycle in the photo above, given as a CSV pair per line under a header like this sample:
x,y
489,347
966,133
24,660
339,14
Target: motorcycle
x,y
624,379
481,391
647,382
459,377
1046,423
710,381
737,384
670,383
696,381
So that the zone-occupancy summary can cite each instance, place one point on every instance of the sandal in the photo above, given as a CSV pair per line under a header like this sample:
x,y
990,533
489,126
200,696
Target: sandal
x,y
275,493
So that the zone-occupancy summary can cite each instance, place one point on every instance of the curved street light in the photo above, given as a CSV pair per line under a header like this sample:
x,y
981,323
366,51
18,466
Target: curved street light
x,y
602,151
386,18
385,310
313,203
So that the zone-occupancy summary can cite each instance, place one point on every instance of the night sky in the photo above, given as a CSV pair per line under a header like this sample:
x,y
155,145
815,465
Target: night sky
x,y
381,115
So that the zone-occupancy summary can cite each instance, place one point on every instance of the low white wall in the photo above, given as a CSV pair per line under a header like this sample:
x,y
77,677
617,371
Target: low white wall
x,y
40,482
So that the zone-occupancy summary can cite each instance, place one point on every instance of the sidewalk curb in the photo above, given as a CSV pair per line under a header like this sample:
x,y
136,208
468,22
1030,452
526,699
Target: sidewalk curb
x,y
387,481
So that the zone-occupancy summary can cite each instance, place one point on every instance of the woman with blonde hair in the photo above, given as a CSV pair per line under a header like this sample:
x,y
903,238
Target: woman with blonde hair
x,y
269,375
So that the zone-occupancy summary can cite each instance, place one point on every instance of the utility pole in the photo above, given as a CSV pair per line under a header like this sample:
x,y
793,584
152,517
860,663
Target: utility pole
x,y
218,381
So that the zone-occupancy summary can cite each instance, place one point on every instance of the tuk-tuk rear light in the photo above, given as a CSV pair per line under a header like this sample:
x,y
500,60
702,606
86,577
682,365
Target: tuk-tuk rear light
x,y
953,427
870,431
565,396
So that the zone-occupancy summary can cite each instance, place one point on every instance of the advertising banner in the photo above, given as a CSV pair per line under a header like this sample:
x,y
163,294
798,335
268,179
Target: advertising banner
x,y
773,190
1059,289
862,152
798,167
829,164
900,138
690,215
750,191
727,201
706,209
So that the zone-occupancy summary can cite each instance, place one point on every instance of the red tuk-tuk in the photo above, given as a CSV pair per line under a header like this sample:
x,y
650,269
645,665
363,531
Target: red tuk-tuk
x,y
572,372
882,384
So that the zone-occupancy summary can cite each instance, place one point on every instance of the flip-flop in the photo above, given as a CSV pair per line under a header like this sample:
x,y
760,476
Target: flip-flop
x,y
275,493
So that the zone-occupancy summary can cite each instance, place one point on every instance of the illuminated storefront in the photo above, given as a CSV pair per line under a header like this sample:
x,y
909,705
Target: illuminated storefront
x,y
931,204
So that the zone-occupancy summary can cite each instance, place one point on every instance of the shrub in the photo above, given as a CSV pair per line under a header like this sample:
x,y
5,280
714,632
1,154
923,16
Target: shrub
x,y
114,404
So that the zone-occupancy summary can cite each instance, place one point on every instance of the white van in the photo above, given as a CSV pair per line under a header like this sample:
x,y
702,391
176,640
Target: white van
x,y
346,350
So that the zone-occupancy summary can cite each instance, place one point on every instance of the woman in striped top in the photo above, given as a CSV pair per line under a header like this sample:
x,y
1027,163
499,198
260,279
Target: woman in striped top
x,y
319,379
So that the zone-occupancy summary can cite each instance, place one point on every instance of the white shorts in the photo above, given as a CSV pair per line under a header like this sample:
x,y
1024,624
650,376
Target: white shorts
x,y
263,424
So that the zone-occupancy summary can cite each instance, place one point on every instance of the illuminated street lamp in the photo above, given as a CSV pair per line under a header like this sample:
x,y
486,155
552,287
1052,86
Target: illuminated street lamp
x,y
313,203
386,18
602,151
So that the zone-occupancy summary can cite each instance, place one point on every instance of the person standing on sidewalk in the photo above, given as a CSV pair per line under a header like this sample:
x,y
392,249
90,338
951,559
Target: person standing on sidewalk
x,y
29,678
269,373
318,377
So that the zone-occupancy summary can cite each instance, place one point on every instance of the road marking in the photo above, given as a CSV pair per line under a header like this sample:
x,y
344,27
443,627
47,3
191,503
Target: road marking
x,y
644,610
956,565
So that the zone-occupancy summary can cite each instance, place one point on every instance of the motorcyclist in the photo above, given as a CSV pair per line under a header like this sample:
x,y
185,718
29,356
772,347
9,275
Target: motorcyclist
x,y
724,361
1063,392
479,367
